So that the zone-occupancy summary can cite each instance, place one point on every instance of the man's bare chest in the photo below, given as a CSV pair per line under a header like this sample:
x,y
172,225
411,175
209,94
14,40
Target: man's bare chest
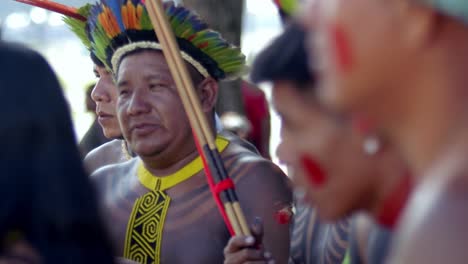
x,y
191,229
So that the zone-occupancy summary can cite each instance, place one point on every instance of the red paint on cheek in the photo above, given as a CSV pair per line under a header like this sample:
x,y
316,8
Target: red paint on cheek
x,y
342,49
315,174
361,124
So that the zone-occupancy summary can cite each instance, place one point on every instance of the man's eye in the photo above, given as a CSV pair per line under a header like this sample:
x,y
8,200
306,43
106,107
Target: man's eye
x,y
158,86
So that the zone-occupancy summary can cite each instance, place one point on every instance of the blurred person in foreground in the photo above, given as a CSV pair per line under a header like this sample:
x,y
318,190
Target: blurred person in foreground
x,y
402,63
48,210
338,171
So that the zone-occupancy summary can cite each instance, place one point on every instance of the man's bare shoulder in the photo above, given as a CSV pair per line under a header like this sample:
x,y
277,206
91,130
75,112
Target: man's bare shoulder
x,y
241,162
255,175
106,154
433,228
115,172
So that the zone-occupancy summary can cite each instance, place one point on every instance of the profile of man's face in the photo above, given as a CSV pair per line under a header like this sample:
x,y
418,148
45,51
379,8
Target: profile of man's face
x,y
104,95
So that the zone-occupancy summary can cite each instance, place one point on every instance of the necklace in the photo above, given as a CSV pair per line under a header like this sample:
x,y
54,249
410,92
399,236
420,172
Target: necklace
x,y
156,183
125,150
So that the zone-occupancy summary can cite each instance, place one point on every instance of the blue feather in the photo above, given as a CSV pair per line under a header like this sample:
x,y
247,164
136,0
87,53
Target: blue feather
x,y
116,8
92,19
196,23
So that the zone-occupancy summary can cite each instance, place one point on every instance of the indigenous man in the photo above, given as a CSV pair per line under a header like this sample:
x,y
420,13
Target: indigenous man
x,y
157,204
339,170
104,95
313,240
403,63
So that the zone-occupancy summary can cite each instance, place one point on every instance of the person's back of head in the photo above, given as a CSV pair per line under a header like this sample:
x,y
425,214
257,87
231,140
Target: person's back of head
x,y
46,195
285,59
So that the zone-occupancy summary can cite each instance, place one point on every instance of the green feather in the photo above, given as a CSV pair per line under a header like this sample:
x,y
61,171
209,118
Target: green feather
x,y
79,27
145,21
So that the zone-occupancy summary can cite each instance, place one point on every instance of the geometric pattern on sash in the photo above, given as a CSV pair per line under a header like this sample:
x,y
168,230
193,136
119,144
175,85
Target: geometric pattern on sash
x,y
145,226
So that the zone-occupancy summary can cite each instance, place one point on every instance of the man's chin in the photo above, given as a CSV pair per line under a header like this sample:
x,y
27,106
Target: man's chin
x,y
145,150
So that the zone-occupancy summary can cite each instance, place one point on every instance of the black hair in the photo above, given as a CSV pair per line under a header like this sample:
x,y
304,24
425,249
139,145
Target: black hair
x,y
46,194
284,59
96,61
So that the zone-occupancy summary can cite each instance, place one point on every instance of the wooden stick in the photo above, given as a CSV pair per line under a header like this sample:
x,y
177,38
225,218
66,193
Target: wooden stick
x,y
193,108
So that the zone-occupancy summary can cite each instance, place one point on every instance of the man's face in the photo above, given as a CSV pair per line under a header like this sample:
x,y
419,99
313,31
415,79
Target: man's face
x,y
150,111
310,133
356,50
105,96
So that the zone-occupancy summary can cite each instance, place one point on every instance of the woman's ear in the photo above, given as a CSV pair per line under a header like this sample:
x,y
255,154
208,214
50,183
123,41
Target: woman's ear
x,y
208,94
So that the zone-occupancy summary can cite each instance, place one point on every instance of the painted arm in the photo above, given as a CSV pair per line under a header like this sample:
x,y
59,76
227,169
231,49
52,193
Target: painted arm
x,y
264,190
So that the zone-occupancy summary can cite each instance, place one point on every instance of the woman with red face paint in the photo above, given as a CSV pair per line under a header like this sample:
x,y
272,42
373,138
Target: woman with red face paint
x,y
341,167
415,91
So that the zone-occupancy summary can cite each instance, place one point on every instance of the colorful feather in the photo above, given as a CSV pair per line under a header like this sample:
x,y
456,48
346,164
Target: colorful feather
x,y
78,26
116,23
113,8
287,6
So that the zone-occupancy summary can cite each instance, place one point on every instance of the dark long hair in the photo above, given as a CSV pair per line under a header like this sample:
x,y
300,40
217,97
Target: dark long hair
x,y
45,193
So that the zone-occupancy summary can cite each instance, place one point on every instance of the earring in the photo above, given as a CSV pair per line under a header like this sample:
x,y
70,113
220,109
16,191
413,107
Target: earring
x,y
371,145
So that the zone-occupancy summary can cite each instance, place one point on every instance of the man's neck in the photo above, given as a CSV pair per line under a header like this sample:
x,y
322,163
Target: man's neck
x,y
165,164
438,116
174,158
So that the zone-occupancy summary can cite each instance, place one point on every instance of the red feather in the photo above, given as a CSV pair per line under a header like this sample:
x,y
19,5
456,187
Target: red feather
x,y
55,7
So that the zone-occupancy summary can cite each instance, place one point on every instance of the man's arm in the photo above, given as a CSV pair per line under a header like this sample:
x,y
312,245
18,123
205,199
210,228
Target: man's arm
x,y
264,190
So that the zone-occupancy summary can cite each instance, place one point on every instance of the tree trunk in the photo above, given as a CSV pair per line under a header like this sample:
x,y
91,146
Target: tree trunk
x,y
224,16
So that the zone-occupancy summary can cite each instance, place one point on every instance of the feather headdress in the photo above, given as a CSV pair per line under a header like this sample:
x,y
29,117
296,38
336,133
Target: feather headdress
x,y
73,17
78,26
117,27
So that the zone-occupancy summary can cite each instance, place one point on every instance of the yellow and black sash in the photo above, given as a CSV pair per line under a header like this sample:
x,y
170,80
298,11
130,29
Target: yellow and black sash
x,y
146,222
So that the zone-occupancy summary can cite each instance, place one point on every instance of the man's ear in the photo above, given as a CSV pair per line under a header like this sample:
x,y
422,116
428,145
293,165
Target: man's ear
x,y
208,94
421,23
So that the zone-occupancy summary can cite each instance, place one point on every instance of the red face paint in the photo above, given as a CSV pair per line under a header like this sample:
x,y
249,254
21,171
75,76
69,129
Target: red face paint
x,y
361,124
315,174
340,42
394,204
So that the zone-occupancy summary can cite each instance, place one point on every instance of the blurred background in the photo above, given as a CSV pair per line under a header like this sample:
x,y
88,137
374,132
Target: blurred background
x,y
252,23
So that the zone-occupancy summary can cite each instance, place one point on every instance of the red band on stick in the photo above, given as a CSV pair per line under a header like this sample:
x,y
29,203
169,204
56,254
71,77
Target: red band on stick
x,y
223,186
211,184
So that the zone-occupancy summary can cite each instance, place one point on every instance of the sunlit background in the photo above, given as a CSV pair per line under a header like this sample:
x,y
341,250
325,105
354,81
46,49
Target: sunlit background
x,y
45,32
